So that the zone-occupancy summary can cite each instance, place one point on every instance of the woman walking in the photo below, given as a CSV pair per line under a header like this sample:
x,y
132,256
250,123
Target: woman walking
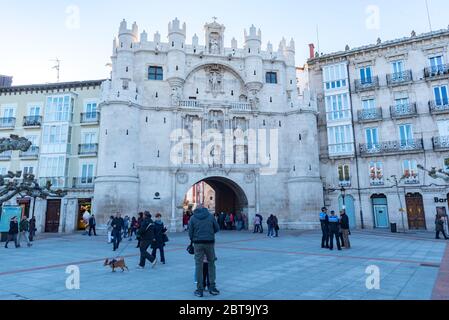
x,y
13,232
133,229
109,226
159,238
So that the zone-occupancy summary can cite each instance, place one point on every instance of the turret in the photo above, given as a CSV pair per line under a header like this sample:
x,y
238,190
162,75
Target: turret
x,y
289,55
176,57
123,65
253,59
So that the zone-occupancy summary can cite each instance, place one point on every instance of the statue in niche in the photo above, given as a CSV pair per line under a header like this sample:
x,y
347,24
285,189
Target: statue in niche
x,y
214,46
175,96
215,81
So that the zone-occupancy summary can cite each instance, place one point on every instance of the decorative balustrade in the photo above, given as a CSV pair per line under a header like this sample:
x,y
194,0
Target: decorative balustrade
x,y
32,121
438,107
90,117
367,84
189,103
440,71
391,147
33,152
7,123
441,143
403,110
241,106
88,149
399,78
368,115
83,182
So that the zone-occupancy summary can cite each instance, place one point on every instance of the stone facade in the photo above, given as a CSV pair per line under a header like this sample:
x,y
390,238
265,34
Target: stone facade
x,y
383,110
162,93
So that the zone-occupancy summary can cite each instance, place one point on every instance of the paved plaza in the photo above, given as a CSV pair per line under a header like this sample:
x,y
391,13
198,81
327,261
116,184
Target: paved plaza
x,y
249,267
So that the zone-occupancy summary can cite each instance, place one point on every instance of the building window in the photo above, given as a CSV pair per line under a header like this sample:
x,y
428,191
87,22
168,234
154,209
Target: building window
x,y
406,135
58,108
441,96
369,104
155,73
34,111
28,170
271,77
372,138
87,173
376,173
398,69
341,140
3,171
366,75
436,64
335,76
344,176
57,134
410,171
337,107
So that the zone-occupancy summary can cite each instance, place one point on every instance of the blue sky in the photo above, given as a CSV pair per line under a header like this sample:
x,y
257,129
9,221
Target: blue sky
x,y
34,32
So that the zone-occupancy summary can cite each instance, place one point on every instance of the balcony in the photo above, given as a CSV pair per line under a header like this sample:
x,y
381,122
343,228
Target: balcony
x,y
6,156
32,153
369,115
374,182
56,182
32,121
90,149
83,183
367,84
345,183
441,143
391,147
189,104
403,111
90,118
437,72
440,107
241,106
399,78
7,123
411,180
342,150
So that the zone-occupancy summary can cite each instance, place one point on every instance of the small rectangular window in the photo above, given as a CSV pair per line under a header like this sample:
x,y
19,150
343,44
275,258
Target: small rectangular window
x,y
155,73
271,77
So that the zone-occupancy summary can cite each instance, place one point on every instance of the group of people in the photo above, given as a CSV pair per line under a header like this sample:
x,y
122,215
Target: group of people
x,y
231,221
272,223
17,231
333,226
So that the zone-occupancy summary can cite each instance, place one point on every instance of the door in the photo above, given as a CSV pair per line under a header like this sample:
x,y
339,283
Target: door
x,y
350,209
372,138
398,70
436,64
365,75
52,216
415,212
380,209
406,135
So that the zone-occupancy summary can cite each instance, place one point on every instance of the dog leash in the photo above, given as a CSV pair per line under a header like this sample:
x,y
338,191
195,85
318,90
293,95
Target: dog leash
x,y
121,251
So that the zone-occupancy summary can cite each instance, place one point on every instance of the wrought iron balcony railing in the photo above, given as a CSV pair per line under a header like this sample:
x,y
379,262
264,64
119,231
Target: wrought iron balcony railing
x,y
368,115
411,180
32,121
83,182
387,147
377,182
90,117
438,107
345,183
7,123
440,143
440,71
403,111
88,149
33,152
367,84
399,78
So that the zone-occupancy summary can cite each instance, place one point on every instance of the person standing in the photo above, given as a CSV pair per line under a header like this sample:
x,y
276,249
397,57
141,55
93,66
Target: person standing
x,y
270,224
439,227
202,230
261,223
344,223
24,228
140,220
324,220
32,228
334,230
221,221
125,227
92,225
276,226
185,220
13,232
86,217
256,224
146,236
117,227
110,228
133,229
159,236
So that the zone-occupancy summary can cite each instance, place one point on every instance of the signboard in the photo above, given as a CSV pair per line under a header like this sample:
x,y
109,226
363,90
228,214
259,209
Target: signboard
x,y
7,213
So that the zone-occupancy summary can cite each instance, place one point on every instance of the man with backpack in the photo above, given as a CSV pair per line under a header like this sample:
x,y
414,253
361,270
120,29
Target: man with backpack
x,y
147,237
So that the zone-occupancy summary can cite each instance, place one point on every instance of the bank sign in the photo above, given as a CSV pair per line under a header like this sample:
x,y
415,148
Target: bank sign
x,y
7,213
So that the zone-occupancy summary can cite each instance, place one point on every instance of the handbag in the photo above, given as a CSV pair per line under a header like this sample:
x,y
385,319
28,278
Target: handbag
x,y
191,249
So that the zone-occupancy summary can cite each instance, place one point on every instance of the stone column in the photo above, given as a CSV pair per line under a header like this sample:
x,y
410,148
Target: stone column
x,y
173,221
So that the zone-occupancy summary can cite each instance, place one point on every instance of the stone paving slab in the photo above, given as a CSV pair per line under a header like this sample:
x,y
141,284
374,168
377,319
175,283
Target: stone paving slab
x,y
249,267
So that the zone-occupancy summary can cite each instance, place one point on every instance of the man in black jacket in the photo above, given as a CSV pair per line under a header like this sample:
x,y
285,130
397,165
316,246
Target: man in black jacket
x,y
202,230
92,224
13,232
334,230
117,225
344,224
146,237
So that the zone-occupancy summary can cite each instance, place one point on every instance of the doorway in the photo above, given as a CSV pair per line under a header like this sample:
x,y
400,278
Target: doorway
x,y
415,211
52,216
350,209
380,211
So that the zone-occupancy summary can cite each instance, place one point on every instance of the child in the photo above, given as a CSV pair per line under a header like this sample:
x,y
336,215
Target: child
x,y
206,281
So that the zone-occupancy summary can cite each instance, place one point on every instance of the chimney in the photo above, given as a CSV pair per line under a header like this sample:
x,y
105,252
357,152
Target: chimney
x,y
312,50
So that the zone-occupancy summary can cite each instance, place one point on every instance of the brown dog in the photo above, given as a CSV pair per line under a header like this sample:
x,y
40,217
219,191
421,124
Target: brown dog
x,y
118,263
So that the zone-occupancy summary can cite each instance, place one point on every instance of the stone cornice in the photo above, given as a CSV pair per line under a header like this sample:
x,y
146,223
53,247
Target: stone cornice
x,y
51,86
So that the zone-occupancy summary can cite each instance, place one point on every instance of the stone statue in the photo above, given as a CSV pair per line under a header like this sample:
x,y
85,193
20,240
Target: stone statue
x,y
215,81
214,45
